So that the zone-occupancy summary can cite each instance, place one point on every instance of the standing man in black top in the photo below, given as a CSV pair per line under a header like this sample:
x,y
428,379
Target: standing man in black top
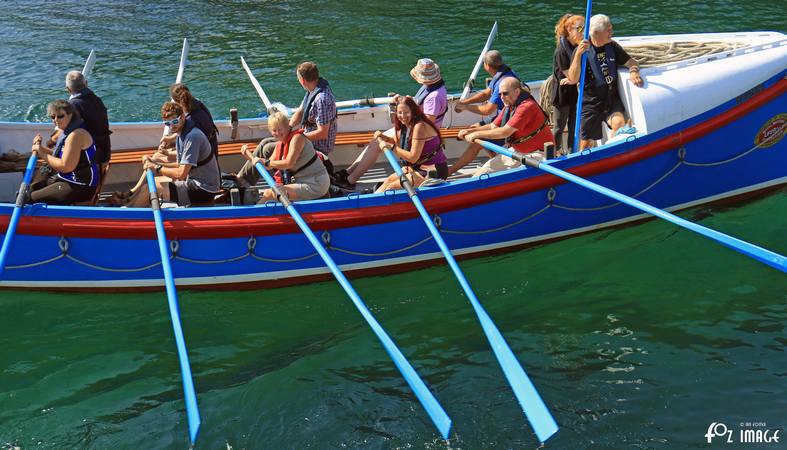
x,y
601,100
92,111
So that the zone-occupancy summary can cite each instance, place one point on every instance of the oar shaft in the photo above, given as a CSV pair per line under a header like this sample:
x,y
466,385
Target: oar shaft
x,y
265,100
192,410
477,67
184,54
535,409
91,60
581,85
430,403
21,197
763,255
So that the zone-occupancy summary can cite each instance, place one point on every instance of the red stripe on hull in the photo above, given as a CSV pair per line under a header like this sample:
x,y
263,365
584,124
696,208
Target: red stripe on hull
x,y
211,228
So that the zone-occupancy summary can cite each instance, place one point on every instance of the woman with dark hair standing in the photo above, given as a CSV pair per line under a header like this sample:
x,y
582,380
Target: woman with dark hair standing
x,y
73,159
568,33
417,141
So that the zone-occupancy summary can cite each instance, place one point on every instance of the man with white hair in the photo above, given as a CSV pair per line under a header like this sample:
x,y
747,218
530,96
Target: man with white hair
x,y
92,111
601,100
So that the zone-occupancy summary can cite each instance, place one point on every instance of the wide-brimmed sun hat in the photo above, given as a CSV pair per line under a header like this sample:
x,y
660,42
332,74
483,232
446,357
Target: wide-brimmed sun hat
x,y
426,71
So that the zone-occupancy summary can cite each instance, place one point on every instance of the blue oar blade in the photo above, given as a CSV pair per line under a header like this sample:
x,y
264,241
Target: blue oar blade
x,y
535,409
530,401
192,410
433,408
763,255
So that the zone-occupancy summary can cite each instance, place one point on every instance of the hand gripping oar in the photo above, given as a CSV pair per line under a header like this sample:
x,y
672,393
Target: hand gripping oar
x,y
429,402
192,410
21,198
763,255
577,126
536,411
477,67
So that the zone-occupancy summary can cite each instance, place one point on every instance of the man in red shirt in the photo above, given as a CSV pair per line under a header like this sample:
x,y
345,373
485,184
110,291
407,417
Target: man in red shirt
x,y
522,123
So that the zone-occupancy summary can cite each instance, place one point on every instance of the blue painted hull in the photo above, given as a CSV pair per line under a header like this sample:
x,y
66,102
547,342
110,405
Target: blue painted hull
x,y
734,149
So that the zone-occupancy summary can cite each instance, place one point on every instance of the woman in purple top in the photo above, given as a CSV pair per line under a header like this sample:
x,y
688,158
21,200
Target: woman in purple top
x,y
417,142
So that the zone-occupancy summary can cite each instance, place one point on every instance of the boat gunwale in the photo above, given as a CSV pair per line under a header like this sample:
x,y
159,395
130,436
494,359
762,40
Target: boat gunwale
x,y
271,219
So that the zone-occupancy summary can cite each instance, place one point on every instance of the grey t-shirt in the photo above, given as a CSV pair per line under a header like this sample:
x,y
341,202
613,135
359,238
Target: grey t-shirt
x,y
193,148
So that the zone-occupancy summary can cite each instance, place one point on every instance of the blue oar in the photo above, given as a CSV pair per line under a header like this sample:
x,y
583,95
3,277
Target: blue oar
x,y
763,255
430,403
21,197
581,85
192,410
536,411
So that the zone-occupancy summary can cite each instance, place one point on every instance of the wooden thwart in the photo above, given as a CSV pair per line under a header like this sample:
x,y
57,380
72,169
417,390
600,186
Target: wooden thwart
x,y
233,148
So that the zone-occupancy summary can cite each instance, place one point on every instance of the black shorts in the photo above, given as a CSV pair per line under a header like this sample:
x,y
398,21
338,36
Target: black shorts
x,y
195,194
55,191
595,113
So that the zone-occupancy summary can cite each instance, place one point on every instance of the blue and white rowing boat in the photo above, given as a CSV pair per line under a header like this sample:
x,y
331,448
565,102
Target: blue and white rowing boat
x,y
709,128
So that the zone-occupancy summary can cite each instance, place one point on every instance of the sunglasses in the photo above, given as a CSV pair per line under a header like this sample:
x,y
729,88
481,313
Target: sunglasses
x,y
169,123
578,28
504,93
58,116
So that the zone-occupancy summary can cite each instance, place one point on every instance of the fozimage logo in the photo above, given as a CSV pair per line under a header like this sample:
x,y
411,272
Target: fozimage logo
x,y
718,429
748,433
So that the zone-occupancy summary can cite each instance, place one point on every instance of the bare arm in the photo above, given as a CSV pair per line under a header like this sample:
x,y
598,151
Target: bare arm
x,y
72,148
478,97
484,109
321,132
573,73
495,132
634,75
295,120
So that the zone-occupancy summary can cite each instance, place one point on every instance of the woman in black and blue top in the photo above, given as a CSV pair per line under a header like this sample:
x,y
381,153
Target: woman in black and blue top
x,y
72,158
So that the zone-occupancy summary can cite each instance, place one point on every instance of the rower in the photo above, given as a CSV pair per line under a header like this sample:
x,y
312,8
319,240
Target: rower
x,y
492,103
193,178
432,97
316,116
522,124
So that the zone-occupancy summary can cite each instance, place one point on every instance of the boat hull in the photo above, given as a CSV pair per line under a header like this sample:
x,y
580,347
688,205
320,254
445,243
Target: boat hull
x,y
731,150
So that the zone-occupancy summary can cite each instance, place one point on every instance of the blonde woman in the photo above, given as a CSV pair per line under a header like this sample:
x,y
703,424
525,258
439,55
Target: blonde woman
x,y
298,169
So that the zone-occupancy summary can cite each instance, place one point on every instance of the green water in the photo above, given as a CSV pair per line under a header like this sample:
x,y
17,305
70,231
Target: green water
x,y
637,337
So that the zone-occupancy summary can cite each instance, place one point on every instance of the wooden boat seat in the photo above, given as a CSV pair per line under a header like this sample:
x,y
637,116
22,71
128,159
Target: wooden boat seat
x,y
233,148
94,200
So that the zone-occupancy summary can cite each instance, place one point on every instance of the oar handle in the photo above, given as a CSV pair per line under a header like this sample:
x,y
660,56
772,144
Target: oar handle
x,y
24,188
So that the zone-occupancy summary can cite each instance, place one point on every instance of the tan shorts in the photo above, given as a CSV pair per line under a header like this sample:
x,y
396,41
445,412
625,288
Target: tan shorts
x,y
502,162
311,187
